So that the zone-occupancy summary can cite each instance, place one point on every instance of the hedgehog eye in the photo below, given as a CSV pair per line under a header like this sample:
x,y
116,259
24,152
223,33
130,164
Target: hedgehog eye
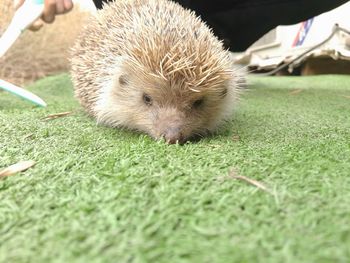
x,y
147,99
198,103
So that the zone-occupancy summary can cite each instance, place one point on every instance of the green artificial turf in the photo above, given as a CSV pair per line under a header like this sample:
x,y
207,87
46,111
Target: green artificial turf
x,y
105,195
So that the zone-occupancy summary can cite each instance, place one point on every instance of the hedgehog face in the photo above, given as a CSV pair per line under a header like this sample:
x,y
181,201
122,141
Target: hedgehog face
x,y
178,118
181,118
162,109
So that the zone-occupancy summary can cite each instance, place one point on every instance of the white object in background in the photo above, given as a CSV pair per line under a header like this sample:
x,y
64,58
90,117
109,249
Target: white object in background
x,y
26,14
85,5
25,94
285,43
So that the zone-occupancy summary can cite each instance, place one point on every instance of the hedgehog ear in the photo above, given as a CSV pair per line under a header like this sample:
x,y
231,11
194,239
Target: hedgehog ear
x,y
123,79
223,93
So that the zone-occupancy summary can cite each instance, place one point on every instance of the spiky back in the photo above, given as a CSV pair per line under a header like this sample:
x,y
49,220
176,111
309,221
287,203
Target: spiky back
x,y
157,36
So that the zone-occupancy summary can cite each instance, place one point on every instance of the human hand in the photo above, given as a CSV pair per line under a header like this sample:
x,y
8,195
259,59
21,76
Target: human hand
x,y
51,9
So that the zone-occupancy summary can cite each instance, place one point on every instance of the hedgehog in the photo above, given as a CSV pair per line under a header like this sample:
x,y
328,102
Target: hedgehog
x,y
155,67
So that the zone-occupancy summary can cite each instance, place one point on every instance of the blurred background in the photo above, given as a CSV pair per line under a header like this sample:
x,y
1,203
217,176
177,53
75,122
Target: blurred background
x,y
319,45
39,54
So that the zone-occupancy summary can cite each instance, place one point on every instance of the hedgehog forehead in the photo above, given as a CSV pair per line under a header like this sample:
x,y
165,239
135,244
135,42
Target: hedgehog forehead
x,y
170,92
185,72
177,84
153,83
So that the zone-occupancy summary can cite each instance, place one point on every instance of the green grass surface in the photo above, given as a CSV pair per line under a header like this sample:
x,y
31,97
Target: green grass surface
x,y
105,195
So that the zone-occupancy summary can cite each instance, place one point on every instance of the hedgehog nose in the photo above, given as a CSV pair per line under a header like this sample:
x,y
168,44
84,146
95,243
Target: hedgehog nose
x,y
173,135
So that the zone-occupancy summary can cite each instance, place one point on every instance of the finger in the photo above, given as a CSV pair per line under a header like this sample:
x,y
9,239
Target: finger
x,y
37,25
59,7
49,11
68,5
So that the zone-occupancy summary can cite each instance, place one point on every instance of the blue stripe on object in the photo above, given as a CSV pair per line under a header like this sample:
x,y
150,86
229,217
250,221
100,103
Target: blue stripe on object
x,y
38,2
304,31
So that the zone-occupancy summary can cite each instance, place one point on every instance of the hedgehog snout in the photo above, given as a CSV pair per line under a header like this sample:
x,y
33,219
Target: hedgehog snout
x,y
169,125
173,135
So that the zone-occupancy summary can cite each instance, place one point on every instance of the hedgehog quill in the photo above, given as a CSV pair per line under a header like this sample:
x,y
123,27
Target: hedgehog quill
x,y
155,67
